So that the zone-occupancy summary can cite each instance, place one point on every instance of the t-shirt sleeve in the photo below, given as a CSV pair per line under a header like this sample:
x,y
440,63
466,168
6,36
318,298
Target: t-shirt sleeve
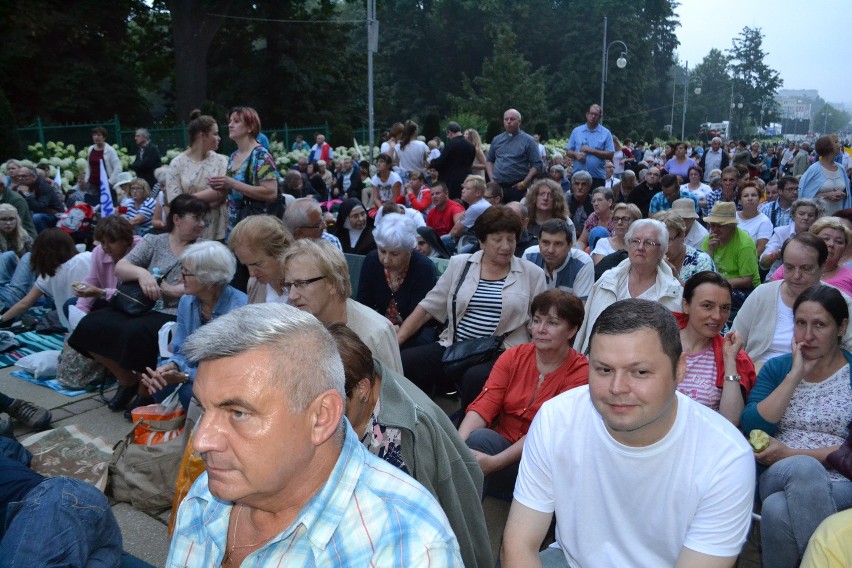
x,y
584,281
534,486
143,253
764,229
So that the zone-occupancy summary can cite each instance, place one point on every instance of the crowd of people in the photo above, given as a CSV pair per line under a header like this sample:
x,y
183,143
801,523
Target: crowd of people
x,y
626,313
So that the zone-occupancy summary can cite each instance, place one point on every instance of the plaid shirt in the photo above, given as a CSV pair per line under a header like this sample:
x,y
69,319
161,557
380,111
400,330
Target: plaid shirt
x,y
716,195
368,513
781,217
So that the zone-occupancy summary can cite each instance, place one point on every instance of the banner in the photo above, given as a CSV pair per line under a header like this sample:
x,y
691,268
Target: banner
x,y
107,206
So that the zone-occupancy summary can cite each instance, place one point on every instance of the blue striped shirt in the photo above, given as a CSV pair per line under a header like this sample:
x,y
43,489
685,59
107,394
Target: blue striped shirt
x,y
368,513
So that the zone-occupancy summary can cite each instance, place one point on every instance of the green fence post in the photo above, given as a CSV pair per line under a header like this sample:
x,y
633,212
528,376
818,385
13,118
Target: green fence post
x,y
40,125
286,137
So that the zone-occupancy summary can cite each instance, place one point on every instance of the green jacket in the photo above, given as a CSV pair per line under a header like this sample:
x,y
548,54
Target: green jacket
x,y
437,457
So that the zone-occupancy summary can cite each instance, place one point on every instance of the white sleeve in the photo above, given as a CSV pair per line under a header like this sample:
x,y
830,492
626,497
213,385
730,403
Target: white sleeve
x,y
764,229
584,281
534,486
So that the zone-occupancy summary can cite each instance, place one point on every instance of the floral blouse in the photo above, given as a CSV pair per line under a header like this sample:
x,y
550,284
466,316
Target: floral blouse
x,y
188,176
263,166
695,261
384,441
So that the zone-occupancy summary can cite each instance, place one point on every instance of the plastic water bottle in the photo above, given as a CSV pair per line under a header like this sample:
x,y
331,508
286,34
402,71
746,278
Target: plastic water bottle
x,y
158,276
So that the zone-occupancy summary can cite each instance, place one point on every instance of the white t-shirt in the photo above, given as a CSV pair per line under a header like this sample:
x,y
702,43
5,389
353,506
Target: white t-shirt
x,y
603,247
272,296
58,286
696,235
782,339
411,157
759,227
617,505
386,188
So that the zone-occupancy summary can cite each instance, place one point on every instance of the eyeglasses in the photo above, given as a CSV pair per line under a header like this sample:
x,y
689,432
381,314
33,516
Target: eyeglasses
x,y
185,273
300,284
195,218
621,219
636,243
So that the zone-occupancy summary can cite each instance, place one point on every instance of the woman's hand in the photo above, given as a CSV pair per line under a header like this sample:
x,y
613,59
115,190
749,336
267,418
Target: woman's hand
x,y
149,285
775,452
731,346
220,183
488,464
84,290
801,366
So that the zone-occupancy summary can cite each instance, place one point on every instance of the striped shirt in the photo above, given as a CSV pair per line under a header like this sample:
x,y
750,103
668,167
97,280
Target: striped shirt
x,y
699,384
368,513
146,209
482,315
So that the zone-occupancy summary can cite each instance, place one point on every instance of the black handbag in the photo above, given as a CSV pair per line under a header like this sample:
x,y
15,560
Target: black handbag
x,y
130,299
462,355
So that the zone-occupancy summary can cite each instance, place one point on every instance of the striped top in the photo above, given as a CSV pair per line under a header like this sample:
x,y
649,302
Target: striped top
x,y
483,312
146,209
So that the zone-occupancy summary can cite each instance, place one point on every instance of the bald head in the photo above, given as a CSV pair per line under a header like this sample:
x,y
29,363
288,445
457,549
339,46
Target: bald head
x,y
512,121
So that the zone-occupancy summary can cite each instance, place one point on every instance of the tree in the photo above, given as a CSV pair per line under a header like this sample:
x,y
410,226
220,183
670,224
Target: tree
x,y
713,104
753,79
194,23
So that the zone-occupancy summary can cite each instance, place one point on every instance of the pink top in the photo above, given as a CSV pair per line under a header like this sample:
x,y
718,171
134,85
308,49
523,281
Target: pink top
x,y
102,274
842,279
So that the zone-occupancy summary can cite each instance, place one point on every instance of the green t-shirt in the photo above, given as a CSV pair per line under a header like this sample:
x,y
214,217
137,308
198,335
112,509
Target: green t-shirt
x,y
736,259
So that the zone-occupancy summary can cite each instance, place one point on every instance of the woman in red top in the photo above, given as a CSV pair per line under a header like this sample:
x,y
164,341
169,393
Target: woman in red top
x,y
523,378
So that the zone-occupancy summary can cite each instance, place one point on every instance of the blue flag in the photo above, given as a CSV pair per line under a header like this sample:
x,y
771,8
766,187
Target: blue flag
x,y
107,206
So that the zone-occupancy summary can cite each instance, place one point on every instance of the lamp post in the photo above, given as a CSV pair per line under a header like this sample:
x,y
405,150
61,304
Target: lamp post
x,y
736,102
825,114
621,62
686,81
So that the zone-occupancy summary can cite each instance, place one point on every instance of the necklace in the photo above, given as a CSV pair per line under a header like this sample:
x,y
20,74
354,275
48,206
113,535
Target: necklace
x,y
229,553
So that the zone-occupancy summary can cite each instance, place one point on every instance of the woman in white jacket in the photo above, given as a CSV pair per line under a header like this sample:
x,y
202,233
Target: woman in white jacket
x,y
644,275
98,151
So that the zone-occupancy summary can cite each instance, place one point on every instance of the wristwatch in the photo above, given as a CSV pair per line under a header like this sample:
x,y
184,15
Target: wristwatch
x,y
732,378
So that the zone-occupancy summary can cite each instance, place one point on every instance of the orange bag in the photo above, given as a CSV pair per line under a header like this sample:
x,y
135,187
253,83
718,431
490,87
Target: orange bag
x,y
157,423
191,466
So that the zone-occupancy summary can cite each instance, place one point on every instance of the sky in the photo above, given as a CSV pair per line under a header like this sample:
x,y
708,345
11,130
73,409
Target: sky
x,y
804,41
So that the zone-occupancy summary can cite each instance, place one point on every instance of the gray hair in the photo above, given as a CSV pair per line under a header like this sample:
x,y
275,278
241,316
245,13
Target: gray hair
x,y
305,361
582,175
144,132
628,174
396,232
805,202
523,210
211,262
628,316
296,214
662,232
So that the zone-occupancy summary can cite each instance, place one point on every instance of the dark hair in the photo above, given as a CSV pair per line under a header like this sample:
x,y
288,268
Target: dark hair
x,y
199,124
52,248
782,183
99,130
811,241
845,214
249,116
496,219
384,158
669,180
356,357
114,228
555,227
829,297
409,131
628,316
697,169
185,204
496,189
704,277
824,146
568,306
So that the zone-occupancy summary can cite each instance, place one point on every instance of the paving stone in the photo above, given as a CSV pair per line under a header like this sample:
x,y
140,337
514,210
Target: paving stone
x,y
144,536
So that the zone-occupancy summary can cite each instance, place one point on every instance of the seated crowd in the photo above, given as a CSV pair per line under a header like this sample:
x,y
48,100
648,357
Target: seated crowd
x,y
625,313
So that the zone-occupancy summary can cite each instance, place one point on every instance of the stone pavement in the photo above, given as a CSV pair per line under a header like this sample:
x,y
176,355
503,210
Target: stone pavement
x,y
145,535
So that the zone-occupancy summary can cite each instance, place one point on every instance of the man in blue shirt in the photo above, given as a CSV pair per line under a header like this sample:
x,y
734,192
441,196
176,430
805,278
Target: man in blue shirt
x,y
671,192
513,159
565,267
287,483
591,146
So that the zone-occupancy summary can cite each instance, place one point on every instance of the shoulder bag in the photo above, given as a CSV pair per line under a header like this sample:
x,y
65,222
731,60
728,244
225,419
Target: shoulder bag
x,y
462,355
130,299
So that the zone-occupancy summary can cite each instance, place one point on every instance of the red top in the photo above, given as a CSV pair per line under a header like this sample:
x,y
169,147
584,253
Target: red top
x,y
442,221
95,156
509,401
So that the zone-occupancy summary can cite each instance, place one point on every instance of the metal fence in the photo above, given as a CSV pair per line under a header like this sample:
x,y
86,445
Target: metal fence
x,y
165,138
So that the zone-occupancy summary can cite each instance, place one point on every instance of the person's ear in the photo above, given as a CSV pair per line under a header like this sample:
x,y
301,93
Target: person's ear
x,y
325,414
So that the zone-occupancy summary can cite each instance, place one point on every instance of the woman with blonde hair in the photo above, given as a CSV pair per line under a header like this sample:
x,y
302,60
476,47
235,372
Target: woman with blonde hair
x,y
140,206
545,201
478,166
258,242
15,237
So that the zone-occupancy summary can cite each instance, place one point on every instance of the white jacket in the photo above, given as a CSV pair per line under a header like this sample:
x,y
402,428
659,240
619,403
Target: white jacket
x,y
111,163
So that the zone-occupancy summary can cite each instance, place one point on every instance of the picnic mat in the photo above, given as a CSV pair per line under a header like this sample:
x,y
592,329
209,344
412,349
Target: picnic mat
x,y
49,383
31,342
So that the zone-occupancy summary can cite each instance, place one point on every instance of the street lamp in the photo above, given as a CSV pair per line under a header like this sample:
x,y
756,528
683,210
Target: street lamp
x,y
825,114
686,81
736,103
621,62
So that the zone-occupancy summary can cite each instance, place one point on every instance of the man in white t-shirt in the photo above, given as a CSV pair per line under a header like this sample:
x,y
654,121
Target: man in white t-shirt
x,y
636,473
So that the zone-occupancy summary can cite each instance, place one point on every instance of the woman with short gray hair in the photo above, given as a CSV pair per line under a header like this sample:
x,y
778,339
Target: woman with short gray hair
x,y
206,269
395,278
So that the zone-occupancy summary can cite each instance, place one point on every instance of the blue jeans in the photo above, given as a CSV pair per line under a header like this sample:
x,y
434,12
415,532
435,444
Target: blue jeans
x,y
500,484
21,280
797,495
60,522
43,221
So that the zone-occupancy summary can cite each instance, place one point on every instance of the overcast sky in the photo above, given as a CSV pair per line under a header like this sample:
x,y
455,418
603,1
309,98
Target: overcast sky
x,y
804,41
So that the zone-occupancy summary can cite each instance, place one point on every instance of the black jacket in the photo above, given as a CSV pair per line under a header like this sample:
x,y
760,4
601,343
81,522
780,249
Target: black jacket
x,y
149,161
454,163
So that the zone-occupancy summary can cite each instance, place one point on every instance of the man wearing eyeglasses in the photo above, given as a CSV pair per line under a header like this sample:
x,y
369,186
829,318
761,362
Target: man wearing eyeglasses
x,y
778,210
728,191
591,146
43,200
303,218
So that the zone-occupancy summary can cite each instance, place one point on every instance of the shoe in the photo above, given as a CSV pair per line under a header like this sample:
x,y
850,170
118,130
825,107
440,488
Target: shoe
x,y
7,430
123,395
136,403
28,413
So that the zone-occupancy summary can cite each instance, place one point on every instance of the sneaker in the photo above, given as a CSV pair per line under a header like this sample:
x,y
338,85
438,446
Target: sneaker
x,y
7,430
28,413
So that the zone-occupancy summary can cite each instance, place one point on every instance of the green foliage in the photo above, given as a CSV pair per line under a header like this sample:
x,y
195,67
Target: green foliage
x,y
468,120
431,126
495,127
542,130
649,136
753,78
341,133
10,141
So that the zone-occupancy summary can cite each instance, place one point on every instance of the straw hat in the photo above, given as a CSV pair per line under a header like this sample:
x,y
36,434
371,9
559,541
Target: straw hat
x,y
685,207
723,213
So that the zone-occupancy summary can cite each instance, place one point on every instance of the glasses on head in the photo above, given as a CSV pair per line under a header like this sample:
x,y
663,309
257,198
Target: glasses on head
x,y
300,284
622,219
636,243
195,218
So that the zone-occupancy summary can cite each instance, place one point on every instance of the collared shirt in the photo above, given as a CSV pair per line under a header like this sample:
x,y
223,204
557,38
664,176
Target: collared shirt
x,y
779,216
326,236
661,203
576,275
712,161
600,139
368,513
716,195
513,155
